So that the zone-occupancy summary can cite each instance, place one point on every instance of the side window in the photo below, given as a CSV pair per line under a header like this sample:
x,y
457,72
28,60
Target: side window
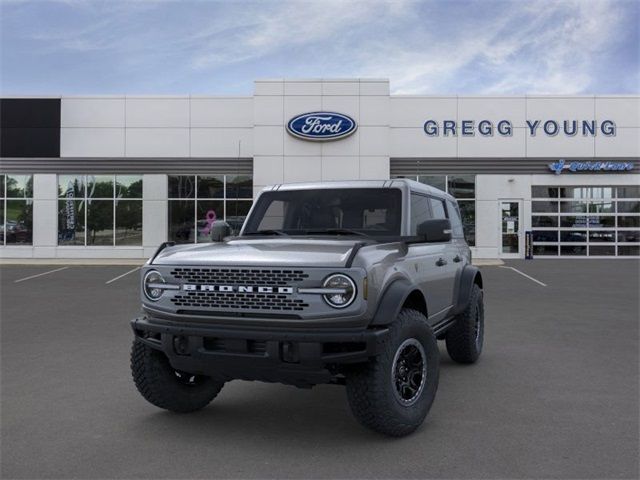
x,y
437,206
274,216
420,211
456,222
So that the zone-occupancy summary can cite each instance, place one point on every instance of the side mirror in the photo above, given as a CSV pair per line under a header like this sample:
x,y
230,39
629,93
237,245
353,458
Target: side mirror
x,y
219,230
435,231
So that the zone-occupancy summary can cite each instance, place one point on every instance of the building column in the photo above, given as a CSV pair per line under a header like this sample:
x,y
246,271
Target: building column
x,y
155,211
45,215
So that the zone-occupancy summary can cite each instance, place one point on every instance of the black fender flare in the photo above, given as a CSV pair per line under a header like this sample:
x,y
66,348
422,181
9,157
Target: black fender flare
x,y
468,277
391,301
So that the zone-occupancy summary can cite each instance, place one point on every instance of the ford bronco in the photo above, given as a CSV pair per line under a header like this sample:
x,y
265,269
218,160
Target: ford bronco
x,y
349,283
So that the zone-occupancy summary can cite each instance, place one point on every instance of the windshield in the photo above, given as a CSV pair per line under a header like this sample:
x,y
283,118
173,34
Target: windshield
x,y
338,211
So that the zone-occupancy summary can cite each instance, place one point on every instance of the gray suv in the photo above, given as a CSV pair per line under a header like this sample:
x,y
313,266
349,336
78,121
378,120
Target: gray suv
x,y
349,283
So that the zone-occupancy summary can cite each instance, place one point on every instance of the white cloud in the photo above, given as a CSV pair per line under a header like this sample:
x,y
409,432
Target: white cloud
x,y
261,29
426,47
544,48
566,38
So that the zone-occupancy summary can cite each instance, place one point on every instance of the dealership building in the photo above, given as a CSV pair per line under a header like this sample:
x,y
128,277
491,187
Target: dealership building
x,y
115,176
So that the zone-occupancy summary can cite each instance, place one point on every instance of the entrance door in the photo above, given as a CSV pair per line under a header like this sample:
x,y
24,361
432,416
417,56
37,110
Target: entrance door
x,y
511,234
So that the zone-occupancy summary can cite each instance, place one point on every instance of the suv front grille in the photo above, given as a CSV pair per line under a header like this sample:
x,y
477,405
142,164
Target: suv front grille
x,y
235,276
238,301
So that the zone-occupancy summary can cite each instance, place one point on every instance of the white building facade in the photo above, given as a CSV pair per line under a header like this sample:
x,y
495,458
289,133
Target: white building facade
x,y
115,176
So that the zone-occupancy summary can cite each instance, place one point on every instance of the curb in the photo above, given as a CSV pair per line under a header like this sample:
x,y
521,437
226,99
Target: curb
x,y
478,262
487,262
73,261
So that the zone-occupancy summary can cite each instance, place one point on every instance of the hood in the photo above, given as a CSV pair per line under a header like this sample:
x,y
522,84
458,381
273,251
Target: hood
x,y
285,252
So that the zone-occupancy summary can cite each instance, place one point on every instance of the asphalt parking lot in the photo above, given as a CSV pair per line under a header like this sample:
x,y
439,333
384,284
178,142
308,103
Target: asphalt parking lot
x,y
555,394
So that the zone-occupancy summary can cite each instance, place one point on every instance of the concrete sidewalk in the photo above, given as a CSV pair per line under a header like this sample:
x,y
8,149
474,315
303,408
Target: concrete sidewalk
x,y
480,262
72,261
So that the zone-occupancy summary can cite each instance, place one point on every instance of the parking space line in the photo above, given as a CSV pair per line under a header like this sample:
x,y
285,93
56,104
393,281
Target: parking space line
x,y
525,275
123,275
40,274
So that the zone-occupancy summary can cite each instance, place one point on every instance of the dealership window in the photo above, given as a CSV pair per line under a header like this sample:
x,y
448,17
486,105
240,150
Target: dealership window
x,y
585,221
100,210
196,201
463,188
16,215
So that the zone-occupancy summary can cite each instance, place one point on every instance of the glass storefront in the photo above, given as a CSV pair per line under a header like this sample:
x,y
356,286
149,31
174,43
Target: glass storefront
x,y
463,188
585,221
16,214
107,211
196,201
100,210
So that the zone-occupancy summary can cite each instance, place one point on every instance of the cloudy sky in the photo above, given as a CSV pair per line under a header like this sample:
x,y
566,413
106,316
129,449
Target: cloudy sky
x,y
220,47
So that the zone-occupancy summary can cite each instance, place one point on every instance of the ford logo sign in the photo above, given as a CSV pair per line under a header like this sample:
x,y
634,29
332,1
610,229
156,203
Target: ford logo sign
x,y
321,126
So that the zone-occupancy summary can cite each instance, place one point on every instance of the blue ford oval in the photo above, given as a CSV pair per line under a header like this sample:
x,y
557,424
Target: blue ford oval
x,y
321,126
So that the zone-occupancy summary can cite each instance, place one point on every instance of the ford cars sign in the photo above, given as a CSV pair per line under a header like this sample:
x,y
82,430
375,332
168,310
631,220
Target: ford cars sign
x,y
321,126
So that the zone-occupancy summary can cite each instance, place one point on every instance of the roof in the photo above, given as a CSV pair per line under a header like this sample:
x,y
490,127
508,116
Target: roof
x,y
394,183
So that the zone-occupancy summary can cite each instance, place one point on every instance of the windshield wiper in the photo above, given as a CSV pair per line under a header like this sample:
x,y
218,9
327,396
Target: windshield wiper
x,y
266,232
337,231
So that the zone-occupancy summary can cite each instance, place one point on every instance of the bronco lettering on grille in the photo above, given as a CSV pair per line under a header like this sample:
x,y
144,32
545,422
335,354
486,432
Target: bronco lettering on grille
x,y
237,288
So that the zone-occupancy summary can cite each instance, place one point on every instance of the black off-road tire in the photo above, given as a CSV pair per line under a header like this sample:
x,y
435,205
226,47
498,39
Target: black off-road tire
x,y
465,338
163,386
371,388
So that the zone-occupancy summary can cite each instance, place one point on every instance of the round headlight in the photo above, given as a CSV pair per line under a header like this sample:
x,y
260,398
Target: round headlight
x,y
150,285
345,290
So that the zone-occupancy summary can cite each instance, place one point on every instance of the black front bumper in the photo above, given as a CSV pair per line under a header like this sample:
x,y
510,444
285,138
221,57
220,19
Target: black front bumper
x,y
295,357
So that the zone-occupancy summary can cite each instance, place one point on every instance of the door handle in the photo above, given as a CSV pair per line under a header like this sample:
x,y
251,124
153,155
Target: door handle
x,y
441,262
457,259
